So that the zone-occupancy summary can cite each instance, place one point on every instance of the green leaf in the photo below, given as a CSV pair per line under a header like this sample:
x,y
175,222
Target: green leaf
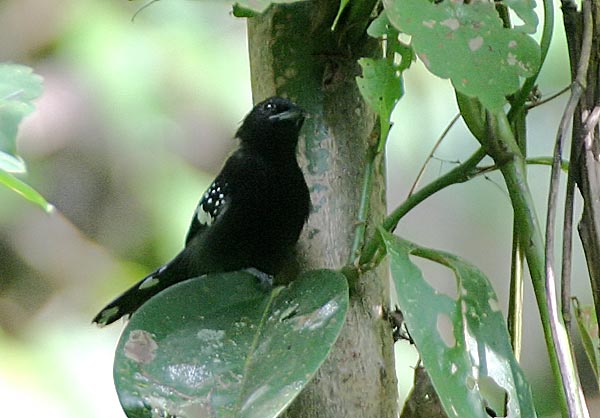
x,y
381,86
19,86
258,6
380,26
525,9
587,325
220,346
463,342
468,44
240,11
343,4
12,163
24,190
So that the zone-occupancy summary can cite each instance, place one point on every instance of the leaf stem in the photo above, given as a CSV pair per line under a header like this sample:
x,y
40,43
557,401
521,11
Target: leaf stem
x,y
431,154
364,206
502,146
459,174
515,304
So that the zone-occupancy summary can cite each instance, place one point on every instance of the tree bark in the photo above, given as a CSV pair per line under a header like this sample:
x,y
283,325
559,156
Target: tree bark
x,y
294,53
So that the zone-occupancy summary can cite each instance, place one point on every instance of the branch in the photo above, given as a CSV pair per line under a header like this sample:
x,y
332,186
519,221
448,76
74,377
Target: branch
x,y
431,153
459,174
574,395
365,203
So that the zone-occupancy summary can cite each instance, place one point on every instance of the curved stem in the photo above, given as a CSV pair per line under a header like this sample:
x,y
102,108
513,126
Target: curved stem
x,y
431,154
363,209
515,306
574,396
502,146
459,174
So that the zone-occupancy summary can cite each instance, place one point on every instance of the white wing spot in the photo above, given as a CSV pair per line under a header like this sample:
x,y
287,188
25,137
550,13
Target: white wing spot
x,y
204,217
107,315
211,204
149,282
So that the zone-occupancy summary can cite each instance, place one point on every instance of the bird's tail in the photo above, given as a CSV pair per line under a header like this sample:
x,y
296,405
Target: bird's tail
x,y
132,299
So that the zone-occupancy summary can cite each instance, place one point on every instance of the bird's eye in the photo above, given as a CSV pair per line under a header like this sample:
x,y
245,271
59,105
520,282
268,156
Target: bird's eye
x,y
270,107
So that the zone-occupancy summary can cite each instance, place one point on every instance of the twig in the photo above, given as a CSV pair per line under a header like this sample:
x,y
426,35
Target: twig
x,y
363,209
515,306
590,123
458,174
431,154
564,164
567,252
576,406
549,98
142,7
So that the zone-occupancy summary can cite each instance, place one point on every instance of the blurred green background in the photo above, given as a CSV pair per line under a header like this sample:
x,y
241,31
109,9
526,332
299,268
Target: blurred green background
x,y
135,119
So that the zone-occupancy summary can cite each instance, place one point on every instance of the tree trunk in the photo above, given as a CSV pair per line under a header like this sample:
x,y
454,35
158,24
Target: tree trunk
x,y
294,53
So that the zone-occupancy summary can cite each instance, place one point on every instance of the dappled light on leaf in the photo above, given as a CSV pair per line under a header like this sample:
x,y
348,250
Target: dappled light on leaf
x,y
220,345
468,44
473,368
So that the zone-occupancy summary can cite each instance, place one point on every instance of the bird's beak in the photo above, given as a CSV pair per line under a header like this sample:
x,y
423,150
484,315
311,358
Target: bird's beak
x,y
294,113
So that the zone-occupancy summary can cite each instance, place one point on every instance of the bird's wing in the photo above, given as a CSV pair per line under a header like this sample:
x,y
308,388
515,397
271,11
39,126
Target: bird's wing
x,y
211,207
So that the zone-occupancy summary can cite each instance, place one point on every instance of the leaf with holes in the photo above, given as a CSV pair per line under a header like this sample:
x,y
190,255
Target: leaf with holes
x,y
220,346
381,86
381,28
468,44
463,342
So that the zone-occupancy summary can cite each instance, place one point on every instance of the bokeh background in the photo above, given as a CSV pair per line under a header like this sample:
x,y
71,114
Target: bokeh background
x,y
135,119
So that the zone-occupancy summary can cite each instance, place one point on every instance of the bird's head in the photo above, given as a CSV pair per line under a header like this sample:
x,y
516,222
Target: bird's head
x,y
273,123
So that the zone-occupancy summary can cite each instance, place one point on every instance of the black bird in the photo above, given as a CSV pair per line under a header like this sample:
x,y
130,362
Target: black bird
x,y
251,215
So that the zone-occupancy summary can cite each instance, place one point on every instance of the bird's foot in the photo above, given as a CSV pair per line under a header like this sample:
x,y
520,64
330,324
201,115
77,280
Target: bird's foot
x,y
399,329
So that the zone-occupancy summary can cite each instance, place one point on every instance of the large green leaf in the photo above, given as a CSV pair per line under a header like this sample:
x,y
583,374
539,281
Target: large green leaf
x,y
220,346
463,342
467,43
